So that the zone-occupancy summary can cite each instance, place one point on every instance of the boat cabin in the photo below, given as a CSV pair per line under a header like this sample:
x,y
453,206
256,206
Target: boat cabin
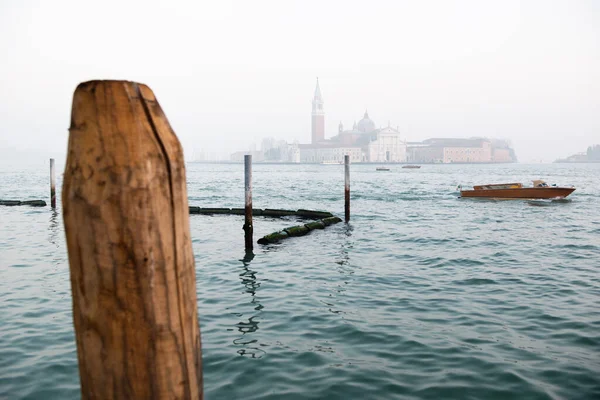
x,y
499,186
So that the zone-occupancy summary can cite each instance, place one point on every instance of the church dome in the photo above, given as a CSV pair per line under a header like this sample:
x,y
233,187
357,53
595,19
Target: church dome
x,y
366,125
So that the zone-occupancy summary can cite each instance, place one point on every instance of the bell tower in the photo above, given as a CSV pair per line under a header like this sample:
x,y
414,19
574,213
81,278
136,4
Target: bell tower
x,y
318,117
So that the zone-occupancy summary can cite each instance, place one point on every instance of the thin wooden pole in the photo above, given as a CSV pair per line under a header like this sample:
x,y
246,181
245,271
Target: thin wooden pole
x,y
347,187
52,184
248,228
126,220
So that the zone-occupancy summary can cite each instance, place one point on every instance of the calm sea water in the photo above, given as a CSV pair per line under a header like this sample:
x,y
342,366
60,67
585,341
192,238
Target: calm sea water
x,y
422,296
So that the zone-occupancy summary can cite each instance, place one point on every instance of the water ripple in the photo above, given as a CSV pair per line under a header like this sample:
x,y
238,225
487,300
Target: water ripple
x,y
423,296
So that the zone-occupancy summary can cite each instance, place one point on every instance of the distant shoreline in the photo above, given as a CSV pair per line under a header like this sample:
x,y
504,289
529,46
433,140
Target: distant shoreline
x,y
576,162
362,162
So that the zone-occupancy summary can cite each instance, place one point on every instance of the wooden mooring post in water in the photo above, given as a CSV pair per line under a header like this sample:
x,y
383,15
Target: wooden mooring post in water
x,y
133,281
52,184
248,228
347,187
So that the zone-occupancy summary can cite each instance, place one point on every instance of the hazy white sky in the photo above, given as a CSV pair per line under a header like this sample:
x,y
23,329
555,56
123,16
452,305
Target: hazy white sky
x,y
228,73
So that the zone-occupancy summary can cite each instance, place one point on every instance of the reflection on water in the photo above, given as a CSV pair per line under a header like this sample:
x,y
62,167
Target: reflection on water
x,y
348,228
548,202
57,259
251,284
53,227
347,245
345,270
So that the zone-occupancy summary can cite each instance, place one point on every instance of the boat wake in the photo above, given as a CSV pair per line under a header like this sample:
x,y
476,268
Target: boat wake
x,y
547,202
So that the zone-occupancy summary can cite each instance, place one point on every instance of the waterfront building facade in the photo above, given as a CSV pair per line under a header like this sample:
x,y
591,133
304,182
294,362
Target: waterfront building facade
x,y
329,154
386,145
449,151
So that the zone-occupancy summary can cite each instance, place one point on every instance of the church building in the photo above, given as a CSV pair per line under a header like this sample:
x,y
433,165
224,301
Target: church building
x,y
364,142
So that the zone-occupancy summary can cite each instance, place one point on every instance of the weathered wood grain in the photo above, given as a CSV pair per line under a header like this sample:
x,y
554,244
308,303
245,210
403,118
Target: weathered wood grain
x,y
131,262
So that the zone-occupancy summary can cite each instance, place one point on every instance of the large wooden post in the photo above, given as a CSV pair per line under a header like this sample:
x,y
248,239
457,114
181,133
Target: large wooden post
x,y
248,228
132,267
347,188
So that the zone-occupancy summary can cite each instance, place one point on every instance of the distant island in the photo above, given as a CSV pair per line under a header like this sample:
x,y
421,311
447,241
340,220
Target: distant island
x,y
592,155
368,143
430,151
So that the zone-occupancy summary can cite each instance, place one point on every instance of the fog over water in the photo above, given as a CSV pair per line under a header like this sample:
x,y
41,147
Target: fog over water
x,y
230,73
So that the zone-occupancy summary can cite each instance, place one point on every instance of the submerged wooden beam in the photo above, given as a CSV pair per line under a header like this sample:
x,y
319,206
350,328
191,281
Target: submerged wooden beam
x,y
128,237
32,203
313,214
306,214
268,212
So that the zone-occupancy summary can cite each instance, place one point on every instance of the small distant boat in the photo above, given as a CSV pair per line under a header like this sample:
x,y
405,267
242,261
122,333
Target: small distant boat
x,y
382,169
412,166
331,162
540,190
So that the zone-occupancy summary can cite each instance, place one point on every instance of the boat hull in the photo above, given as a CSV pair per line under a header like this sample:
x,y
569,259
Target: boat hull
x,y
520,193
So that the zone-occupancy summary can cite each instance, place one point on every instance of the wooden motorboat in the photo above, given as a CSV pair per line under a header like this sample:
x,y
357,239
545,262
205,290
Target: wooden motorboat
x,y
540,190
382,169
412,166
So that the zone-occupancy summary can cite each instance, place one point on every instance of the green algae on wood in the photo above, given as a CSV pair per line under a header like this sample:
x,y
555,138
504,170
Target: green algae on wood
x,y
331,220
273,237
315,225
299,230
